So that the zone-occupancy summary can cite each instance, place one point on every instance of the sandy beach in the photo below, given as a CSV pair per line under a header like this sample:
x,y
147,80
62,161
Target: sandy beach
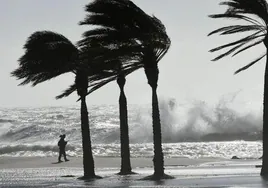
x,y
205,172
100,162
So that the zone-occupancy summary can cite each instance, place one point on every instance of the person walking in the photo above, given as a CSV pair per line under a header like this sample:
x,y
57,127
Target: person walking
x,y
62,144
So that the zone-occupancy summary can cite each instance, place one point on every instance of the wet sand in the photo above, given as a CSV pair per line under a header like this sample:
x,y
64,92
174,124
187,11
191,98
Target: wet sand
x,y
206,172
100,162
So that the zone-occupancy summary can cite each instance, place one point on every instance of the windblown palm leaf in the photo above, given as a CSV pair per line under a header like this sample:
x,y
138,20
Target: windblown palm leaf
x,y
255,14
114,28
106,68
47,55
100,83
115,14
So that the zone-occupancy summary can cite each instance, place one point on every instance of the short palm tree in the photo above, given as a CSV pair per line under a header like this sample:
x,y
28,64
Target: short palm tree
x,y
126,28
254,15
48,55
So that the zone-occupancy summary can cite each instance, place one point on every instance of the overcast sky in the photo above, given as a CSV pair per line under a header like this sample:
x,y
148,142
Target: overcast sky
x,y
186,72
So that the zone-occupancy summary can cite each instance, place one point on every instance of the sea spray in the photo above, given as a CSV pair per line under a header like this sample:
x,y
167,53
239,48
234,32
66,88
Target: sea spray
x,y
197,122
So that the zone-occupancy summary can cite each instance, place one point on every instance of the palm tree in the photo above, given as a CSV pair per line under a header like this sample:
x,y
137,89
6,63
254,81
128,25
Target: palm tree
x,y
124,26
119,69
254,15
107,66
111,37
154,51
48,55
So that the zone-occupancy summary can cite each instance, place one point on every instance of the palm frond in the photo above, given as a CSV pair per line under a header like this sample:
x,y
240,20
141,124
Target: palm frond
x,y
251,7
100,20
115,38
256,7
236,16
228,52
243,40
237,29
120,15
128,32
247,47
250,64
47,55
67,92
102,82
252,11
238,44
116,14
158,44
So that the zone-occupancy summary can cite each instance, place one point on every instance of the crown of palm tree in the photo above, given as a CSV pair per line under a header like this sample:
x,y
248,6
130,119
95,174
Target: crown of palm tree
x,y
131,36
120,22
127,36
47,55
104,66
255,14
158,44
125,27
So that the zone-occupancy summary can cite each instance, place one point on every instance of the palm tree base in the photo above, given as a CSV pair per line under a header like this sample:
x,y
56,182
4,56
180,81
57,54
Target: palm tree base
x,y
88,178
126,173
157,177
264,172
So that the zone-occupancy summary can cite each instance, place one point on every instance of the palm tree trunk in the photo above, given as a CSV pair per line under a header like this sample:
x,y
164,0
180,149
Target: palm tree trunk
x,y
152,72
264,170
157,137
124,134
88,161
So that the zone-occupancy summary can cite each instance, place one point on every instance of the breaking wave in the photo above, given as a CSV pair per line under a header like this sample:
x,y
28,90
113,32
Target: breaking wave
x,y
197,123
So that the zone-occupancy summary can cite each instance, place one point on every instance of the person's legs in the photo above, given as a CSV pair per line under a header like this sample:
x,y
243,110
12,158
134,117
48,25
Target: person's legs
x,y
64,155
59,159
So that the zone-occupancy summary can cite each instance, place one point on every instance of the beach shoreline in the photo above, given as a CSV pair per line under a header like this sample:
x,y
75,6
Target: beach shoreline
x,y
203,172
100,162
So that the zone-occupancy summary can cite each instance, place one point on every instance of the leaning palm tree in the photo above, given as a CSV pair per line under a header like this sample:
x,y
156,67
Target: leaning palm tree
x,y
124,26
48,55
254,15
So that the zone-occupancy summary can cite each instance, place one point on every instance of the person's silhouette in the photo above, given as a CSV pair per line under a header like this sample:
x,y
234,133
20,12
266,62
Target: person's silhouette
x,y
62,143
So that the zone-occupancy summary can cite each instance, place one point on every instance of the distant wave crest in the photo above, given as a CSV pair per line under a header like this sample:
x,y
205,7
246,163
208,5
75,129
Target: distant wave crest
x,y
26,147
6,121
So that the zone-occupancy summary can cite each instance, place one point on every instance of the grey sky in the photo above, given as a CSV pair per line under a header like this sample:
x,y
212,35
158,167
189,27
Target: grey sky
x,y
186,72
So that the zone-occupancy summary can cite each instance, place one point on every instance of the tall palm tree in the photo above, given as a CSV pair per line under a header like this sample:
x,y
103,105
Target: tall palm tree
x,y
124,26
110,65
118,71
154,51
114,38
48,55
254,15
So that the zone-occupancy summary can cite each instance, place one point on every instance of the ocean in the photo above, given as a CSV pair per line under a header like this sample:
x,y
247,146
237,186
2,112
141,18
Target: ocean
x,y
188,130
